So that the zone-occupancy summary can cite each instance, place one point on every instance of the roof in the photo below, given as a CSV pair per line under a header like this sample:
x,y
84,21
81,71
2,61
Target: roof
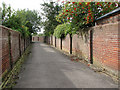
x,y
110,13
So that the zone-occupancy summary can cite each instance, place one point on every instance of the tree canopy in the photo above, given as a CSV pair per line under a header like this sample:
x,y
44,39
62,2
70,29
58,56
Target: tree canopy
x,y
50,10
81,15
24,21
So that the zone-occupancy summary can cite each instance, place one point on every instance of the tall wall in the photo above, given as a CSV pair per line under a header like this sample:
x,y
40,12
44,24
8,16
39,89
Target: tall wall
x,y
5,50
58,43
81,46
13,46
104,45
53,41
37,39
66,43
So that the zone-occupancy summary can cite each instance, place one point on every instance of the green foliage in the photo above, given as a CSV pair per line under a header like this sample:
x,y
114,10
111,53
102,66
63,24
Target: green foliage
x,y
59,30
24,21
50,10
62,30
0,15
41,35
35,34
81,15
5,12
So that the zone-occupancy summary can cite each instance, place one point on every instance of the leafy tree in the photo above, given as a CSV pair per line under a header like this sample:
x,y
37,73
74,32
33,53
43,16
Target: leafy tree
x,y
5,12
62,30
30,19
0,15
81,15
50,10
24,21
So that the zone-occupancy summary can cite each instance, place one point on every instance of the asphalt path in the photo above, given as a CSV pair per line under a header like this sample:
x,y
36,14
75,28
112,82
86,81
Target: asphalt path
x,y
47,67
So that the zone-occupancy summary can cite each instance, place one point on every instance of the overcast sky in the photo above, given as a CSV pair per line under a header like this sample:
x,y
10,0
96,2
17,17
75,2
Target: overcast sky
x,y
22,4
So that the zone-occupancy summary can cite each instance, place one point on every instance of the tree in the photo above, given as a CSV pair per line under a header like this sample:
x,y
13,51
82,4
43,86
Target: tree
x,y
83,14
0,15
5,12
24,21
50,10
30,19
79,16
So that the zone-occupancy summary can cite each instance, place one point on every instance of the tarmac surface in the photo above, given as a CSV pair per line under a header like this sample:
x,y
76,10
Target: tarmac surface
x,y
47,67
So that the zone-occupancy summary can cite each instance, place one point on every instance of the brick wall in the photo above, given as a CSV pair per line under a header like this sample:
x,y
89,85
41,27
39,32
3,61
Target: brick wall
x,y
105,44
11,42
53,40
22,44
0,51
37,38
58,43
66,43
14,45
5,50
81,46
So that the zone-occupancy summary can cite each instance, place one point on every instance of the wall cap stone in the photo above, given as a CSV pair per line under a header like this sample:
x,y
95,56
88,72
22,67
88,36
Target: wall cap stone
x,y
1,26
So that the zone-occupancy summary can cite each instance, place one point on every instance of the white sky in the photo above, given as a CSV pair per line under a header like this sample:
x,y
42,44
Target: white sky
x,y
22,4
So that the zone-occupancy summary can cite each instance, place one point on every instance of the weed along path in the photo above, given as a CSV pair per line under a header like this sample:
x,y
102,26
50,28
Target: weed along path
x,y
49,68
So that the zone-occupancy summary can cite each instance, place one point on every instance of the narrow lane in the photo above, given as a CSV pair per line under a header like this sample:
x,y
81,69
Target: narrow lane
x,y
49,68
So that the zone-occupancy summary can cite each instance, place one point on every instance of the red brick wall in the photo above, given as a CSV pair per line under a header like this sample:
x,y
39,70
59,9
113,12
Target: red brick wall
x,y
119,46
17,45
5,50
53,41
66,43
81,46
106,41
0,51
14,45
38,38
105,45
22,44
58,43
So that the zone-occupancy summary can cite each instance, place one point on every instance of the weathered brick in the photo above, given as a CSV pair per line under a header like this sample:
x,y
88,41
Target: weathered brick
x,y
5,51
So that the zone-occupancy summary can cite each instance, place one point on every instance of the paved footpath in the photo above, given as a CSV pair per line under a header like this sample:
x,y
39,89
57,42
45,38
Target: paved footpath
x,y
49,68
